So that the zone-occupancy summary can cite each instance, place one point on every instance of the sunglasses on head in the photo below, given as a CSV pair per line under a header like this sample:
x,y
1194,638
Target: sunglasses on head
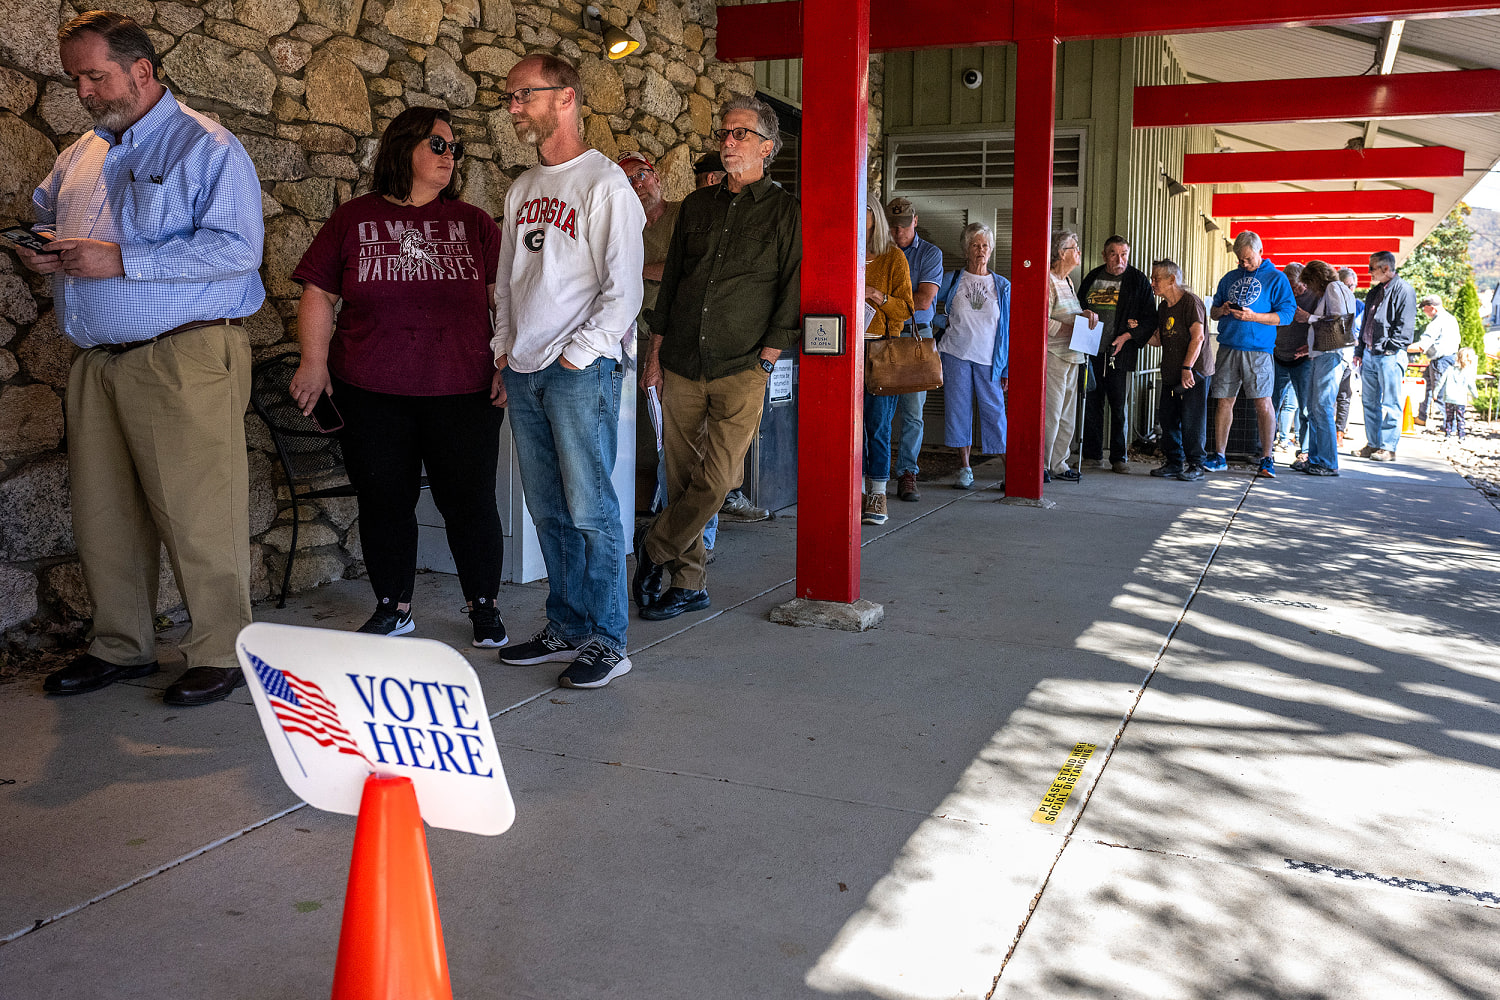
x,y
439,146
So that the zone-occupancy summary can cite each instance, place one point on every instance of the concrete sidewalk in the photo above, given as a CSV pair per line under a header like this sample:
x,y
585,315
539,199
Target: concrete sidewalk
x,y
1292,685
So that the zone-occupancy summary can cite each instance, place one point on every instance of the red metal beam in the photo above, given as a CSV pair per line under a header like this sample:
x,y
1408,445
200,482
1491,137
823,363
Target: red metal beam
x,y
1348,248
836,89
774,30
1325,203
1031,230
1322,165
1322,99
1302,229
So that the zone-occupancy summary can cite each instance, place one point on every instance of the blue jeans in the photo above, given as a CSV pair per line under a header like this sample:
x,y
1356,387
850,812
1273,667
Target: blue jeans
x,y
566,424
1322,406
878,413
1380,387
1291,409
1435,369
909,431
1184,420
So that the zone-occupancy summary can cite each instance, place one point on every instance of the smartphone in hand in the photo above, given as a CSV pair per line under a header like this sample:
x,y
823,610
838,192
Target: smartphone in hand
x,y
326,415
23,237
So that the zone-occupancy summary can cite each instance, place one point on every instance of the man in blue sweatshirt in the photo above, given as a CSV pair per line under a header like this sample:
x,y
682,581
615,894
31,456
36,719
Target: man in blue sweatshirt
x,y
1250,303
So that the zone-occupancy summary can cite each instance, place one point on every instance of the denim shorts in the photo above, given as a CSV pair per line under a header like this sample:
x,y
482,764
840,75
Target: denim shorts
x,y
1247,373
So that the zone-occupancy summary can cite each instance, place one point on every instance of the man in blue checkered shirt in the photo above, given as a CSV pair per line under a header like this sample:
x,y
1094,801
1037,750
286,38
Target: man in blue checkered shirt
x,y
155,225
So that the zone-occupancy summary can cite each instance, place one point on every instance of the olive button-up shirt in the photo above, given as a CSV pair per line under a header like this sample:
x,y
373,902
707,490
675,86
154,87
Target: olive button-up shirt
x,y
731,283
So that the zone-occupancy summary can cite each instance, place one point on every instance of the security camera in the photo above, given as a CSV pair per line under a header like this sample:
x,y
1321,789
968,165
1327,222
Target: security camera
x,y
971,78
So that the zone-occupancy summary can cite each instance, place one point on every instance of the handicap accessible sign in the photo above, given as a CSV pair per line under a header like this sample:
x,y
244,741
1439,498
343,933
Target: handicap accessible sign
x,y
339,706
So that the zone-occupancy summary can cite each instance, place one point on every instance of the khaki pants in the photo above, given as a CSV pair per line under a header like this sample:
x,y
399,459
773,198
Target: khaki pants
x,y
708,427
156,455
1062,411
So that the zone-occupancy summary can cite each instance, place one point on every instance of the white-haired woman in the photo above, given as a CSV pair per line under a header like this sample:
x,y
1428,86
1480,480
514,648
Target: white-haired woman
x,y
1063,309
975,349
889,301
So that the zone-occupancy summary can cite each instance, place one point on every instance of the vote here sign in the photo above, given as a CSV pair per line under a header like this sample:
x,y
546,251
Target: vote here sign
x,y
337,706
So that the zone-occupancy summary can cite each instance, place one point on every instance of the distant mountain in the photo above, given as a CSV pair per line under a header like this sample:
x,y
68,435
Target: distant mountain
x,y
1484,247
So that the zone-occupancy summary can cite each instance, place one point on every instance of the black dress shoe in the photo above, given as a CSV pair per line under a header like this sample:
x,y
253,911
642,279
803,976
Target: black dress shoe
x,y
89,673
645,585
201,685
674,602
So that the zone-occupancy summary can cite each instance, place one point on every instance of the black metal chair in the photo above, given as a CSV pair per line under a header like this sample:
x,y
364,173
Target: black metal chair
x,y
307,454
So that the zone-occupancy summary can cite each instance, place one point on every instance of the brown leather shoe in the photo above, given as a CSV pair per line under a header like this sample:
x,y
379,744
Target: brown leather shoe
x,y
202,685
89,673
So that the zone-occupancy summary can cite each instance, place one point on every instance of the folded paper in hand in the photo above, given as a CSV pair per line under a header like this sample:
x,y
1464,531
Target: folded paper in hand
x,y
1085,340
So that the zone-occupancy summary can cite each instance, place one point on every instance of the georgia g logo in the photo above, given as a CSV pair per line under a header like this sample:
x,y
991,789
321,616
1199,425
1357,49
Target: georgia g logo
x,y
533,240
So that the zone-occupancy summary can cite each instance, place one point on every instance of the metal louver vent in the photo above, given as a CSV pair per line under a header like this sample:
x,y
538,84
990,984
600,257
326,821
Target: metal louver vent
x,y
976,163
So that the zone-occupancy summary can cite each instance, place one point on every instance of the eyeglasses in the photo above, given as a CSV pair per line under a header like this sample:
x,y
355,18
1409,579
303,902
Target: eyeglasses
x,y
739,134
524,95
439,146
639,175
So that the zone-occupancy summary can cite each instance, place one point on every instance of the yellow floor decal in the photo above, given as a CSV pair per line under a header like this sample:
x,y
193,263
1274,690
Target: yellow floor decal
x,y
1062,785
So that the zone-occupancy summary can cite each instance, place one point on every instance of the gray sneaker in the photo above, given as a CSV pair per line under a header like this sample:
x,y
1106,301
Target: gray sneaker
x,y
737,507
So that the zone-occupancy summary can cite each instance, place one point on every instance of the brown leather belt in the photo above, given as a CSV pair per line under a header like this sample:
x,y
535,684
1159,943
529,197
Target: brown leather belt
x,y
122,348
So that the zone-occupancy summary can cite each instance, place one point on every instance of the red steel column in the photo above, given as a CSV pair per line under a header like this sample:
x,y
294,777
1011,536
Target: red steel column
x,y
1031,234
830,426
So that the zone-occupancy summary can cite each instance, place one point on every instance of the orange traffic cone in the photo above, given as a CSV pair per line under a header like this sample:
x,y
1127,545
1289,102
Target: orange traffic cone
x,y
1408,422
391,942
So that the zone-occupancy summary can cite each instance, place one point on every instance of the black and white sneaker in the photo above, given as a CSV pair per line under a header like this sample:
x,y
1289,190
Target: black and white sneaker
x,y
489,630
595,667
388,620
544,647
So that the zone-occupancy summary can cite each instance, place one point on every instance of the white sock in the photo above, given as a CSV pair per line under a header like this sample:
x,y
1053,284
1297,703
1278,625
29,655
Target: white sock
x,y
877,486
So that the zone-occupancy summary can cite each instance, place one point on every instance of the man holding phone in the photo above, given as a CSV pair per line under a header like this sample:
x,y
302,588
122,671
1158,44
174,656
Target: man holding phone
x,y
1250,303
156,262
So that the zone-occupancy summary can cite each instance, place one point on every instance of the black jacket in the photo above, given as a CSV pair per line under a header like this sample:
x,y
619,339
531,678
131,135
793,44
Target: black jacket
x,y
1136,302
1392,324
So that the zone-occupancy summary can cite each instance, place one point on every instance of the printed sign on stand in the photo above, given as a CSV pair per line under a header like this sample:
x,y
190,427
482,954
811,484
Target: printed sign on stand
x,y
339,706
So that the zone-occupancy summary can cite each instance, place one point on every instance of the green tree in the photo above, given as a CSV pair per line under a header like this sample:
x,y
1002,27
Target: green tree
x,y
1440,263
1470,323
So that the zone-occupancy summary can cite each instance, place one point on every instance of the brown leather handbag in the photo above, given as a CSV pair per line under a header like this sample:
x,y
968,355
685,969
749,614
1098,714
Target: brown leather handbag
x,y
1334,333
895,366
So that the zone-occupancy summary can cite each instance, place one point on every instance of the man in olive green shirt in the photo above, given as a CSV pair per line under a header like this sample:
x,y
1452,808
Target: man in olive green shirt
x,y
727,308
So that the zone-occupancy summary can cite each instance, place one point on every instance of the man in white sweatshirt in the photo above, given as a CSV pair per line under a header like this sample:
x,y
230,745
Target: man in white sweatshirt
x,y
566,296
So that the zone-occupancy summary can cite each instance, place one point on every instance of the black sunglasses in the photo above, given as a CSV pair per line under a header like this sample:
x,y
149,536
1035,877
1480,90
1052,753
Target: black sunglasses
x,y
739,133
439,146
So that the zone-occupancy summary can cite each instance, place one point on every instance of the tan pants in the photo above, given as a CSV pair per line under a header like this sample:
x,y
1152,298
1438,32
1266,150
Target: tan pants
x,y
707,428
156,455
1062,411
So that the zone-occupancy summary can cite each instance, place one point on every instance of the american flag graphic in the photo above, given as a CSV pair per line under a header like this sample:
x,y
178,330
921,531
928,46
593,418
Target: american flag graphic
x,y
301,707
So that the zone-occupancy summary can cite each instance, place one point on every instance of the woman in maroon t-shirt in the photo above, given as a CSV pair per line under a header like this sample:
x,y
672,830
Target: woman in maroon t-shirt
x,y
408,365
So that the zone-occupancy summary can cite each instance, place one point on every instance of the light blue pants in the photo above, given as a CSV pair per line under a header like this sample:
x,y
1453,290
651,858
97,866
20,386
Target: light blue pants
x,y
1380,388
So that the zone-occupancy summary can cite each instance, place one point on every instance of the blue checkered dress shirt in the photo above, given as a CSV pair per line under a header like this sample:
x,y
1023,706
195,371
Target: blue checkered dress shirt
x,y
179,194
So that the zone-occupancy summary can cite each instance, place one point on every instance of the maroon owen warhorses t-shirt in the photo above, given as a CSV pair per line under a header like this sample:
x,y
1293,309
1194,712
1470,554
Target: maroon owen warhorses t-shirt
x,y
415,319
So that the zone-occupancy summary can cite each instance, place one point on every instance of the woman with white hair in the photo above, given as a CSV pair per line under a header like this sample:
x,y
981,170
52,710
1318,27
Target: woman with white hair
x,y
1063,309
975,350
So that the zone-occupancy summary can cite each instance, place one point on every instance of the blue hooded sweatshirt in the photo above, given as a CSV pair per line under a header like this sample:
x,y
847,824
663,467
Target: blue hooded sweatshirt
x,y
1264,290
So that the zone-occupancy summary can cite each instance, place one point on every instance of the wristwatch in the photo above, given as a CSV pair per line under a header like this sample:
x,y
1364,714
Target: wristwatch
x,y
767,366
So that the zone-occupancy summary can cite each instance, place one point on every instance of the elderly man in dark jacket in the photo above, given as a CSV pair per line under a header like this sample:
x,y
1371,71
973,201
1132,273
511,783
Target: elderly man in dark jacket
x,y
1389,326
1121,295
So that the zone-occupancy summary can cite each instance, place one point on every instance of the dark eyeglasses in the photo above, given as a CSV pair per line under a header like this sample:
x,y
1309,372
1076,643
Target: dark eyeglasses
x,y
439,146
739,134
524,95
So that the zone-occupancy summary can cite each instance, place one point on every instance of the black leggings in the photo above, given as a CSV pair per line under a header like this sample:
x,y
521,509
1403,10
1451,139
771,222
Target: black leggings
x,y
387,441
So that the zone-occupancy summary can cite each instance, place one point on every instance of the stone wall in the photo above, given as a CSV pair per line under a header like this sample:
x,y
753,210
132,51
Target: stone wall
x,y
308,86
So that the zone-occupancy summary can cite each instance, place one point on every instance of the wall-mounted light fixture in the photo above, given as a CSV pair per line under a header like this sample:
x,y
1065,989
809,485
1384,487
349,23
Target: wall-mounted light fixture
x,y
1228,246
617,44
1209,225
1174,187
